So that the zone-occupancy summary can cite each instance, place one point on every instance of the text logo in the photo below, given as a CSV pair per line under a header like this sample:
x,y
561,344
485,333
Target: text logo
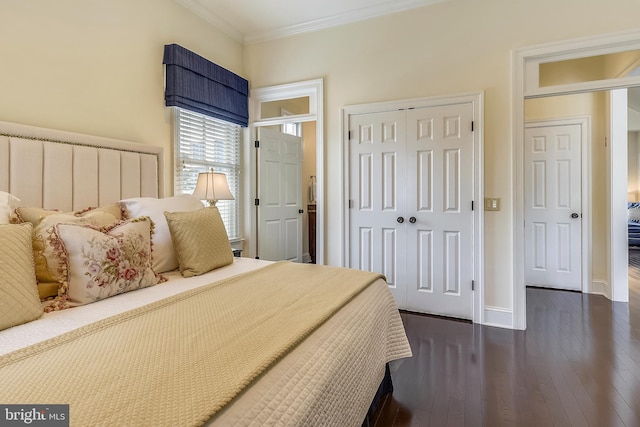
x,y
34,415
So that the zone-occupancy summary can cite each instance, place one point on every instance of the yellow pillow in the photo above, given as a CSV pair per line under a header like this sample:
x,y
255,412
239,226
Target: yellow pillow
x,y
200,240
48,264
48,289
19,301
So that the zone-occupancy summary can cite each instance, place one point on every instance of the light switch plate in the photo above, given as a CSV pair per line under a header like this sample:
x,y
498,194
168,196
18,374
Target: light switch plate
x,y
492,204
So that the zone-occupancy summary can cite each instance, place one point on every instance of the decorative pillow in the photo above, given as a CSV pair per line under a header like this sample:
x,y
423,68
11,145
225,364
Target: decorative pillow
x,y
7,204
164,256
633,212
99,264
47,263
48,290
19,301
200,240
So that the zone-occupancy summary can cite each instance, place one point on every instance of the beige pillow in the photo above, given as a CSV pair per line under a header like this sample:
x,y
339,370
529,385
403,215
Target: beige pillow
x,y
102,263
19,301
200,240
48,264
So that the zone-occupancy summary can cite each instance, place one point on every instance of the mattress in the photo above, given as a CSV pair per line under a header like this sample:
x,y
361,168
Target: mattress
x,y
329,379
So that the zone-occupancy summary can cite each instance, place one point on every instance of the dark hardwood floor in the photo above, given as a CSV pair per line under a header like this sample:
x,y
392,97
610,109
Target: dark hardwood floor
x,y
577,364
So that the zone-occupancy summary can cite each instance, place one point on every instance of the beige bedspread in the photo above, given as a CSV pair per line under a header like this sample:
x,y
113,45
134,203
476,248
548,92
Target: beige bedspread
x,y
183,358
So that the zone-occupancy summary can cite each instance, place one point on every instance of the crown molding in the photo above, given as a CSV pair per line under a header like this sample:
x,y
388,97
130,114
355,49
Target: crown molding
x,y
337,20
198,9
362,14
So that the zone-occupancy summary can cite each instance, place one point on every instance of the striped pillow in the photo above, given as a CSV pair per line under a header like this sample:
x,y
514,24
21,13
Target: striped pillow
x,y
19,300
633,211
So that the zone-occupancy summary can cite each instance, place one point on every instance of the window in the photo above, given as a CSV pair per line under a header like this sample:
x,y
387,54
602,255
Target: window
x,y
291,128
202,143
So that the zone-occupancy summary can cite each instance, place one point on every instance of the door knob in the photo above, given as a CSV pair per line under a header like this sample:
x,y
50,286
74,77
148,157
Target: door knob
x,y
400,219
300,211
412,220
574,215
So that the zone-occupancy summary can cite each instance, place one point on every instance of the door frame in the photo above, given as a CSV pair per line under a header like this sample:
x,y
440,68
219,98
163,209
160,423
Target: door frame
x,y
525,63
585,163
477,101
314,89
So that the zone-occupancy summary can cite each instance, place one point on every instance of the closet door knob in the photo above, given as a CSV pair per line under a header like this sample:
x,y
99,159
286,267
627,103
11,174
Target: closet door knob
x,y
574,215
412,220
400,219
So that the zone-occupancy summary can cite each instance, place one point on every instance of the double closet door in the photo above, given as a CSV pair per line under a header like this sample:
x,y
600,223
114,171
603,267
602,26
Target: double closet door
x,y
411,192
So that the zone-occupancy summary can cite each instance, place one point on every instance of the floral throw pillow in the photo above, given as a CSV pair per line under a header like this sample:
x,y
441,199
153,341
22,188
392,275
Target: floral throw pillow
x,y
101,263
47,263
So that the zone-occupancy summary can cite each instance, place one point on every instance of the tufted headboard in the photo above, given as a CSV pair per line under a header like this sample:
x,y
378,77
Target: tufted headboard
x,y
55,169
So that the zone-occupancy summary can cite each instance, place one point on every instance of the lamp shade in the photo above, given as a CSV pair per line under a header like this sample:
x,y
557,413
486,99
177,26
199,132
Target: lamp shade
x,y
212,186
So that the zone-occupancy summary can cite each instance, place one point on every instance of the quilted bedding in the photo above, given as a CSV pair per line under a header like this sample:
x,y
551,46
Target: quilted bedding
x,y
329,379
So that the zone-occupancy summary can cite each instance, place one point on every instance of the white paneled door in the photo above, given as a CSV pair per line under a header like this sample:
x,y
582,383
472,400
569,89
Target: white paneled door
x,y
553,206
411,191
280,196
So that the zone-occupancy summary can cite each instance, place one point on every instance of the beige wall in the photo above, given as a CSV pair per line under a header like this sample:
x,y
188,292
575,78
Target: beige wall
x,y
96,66
453,47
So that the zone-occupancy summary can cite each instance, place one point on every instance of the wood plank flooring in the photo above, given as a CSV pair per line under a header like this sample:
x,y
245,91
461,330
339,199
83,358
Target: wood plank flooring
x,y
577,364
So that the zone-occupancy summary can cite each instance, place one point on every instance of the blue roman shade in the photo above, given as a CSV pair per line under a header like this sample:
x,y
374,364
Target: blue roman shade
x,y
197,84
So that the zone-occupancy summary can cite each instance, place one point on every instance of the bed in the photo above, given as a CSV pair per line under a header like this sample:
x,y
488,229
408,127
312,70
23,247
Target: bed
x,y
174,352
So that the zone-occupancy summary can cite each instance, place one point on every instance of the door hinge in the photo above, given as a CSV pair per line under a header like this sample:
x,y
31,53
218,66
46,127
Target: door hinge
x,y
471,125
256,144
349,137
473,285
256,202
472,205
350,204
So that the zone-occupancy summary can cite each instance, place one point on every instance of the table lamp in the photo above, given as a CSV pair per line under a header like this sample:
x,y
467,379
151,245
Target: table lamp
x,y
212,186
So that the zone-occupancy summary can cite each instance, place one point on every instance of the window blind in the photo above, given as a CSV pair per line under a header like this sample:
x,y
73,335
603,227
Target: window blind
x,y
197,84
202,143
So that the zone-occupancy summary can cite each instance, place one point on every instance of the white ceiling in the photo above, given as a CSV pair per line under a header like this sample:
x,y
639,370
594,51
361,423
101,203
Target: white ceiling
x,y
253,21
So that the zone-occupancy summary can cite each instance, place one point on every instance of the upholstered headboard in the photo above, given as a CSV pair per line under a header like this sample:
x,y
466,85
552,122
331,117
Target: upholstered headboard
x,y
69,171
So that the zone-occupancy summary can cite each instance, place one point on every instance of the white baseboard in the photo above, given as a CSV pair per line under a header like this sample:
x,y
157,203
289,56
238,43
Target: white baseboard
x,y
498,317
600,288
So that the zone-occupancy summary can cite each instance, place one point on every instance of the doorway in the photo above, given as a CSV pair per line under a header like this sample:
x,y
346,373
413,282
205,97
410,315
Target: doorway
x,y
557,186
529,65
285,107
